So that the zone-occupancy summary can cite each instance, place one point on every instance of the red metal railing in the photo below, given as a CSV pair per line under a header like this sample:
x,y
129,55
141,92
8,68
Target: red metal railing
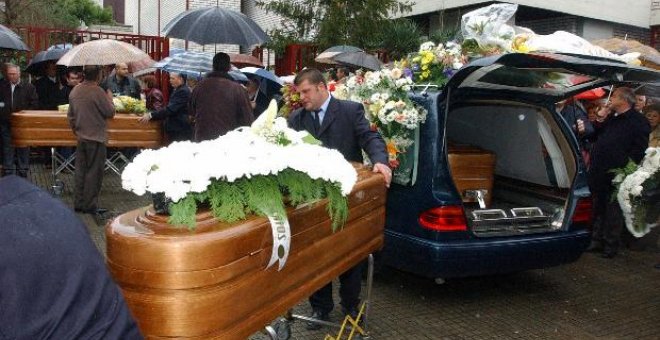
x,y
40,38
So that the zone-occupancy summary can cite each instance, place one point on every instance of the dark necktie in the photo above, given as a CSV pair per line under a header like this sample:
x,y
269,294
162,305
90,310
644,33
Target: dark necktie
x,y
317,122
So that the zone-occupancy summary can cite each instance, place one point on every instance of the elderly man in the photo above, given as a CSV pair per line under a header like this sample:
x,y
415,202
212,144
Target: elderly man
x,y
339,125
89,108
15,95
623,135
120,83
175,114
218,104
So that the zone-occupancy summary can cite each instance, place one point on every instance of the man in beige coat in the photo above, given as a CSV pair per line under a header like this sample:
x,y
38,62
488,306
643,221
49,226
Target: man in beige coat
x,y
89,108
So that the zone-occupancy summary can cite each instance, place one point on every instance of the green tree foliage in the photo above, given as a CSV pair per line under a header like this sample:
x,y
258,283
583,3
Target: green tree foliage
x,y
54,13
334,22
399,37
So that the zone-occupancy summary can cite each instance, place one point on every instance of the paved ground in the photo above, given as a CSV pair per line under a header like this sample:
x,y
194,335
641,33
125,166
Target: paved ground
x,y
593,298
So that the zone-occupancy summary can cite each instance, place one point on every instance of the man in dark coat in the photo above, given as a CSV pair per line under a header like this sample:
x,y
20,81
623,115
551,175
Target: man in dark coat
x,y
623,136
218,104
177,121
339,125
49,89
15,95
54,281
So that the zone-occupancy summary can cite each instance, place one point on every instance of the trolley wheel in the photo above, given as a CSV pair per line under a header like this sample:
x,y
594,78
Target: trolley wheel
x,y
283,329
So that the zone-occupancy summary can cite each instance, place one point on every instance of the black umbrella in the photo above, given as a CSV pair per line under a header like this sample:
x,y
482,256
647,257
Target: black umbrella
x,y
10,40
358,59
43,57
326,56
215,25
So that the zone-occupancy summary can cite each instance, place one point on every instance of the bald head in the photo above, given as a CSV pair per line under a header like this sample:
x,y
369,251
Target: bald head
x,y
121,70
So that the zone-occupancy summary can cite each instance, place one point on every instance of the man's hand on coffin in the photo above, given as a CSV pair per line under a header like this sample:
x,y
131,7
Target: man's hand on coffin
x,y
386,171
145,118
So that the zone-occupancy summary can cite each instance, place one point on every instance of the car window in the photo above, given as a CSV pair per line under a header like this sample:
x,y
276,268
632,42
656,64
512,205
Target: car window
x,y
549,81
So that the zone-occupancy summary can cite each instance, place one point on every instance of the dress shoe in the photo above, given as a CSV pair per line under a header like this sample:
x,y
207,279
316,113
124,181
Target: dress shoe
x,y
318,315
595,247
353,312
608,254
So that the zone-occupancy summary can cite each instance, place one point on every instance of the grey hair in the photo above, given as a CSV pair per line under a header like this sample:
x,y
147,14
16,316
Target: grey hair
x,y
627,94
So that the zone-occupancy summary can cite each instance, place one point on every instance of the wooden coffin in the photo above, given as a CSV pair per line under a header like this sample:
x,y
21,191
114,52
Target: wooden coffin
x,y
471,168
211,283
51,128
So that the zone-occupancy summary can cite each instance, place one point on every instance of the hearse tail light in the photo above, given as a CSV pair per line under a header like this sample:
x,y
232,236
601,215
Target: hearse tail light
x,y
583,212
445,218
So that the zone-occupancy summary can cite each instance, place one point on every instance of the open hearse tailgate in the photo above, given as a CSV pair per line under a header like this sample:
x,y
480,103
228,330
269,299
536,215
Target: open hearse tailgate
x,y
543,77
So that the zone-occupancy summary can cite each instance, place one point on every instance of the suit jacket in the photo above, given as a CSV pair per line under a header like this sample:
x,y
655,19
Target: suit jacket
x,y
175,113
345,129
54,280
25,98
49,93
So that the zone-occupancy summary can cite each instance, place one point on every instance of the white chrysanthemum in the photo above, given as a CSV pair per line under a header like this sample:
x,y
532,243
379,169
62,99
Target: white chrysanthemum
x,y
186,167
427,46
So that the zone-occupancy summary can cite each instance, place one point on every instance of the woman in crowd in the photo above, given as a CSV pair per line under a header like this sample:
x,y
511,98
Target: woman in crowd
x,y
152,94
652,113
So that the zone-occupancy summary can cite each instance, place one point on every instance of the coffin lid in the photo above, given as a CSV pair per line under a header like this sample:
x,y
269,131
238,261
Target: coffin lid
x,y
542,77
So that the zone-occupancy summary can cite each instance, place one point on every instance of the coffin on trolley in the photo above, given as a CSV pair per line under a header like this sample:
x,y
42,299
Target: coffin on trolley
x,y
51,128
212,283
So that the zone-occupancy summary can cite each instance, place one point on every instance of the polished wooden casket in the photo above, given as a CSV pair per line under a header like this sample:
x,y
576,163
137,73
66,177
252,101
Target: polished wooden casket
x,y
472,168
212,283
51,128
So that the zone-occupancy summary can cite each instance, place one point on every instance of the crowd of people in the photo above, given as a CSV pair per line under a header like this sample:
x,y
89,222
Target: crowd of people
x,y
215,106
611,132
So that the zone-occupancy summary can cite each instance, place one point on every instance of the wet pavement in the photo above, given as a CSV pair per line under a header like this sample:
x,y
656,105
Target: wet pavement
x,y
594,298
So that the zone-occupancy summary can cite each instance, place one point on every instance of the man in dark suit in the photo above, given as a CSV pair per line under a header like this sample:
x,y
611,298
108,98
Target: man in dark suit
x,y
15,95
54,280
49,89
339,125
177,121
623,136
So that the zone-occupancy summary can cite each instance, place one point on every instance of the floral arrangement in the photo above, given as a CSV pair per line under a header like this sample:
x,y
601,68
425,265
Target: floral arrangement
x,y
434,63
129,104
248,170
291,99
384,95
635,183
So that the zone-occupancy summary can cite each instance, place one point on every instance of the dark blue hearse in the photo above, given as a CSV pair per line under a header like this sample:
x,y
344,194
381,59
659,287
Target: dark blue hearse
x,y
540,207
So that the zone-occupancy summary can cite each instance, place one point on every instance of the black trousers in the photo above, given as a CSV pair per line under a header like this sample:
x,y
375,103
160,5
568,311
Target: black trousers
x,y
608,218
90,162
349,292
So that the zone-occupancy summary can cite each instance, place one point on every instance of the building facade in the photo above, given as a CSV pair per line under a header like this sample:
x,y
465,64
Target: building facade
x,y
149,17
591,19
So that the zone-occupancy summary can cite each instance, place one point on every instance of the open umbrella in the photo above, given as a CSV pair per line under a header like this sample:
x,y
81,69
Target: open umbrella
x,y
326,56
244,60
273,83
40,59
194,64
215,25
10,40
102,52
260,72
358,59
141,65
